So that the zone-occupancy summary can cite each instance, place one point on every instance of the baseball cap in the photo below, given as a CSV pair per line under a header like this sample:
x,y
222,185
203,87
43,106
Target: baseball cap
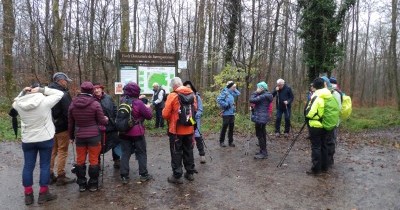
x,y
60,75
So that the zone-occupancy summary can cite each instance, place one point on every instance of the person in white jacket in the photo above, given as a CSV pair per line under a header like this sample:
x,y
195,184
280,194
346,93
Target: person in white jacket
x,y
37,132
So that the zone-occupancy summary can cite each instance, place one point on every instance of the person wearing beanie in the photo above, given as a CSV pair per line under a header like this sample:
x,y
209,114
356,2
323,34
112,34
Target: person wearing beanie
x,y
86,124
59,113
134,139
197,133
34,107
226,101
284,102
318,135
261,100
110,110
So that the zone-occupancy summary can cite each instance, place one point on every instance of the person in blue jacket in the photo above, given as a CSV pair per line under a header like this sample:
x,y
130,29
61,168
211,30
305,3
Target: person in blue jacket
x,y
226,101
260,101
197,131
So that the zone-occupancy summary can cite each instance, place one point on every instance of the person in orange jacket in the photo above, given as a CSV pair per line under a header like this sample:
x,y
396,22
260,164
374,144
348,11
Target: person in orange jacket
x,y
180,134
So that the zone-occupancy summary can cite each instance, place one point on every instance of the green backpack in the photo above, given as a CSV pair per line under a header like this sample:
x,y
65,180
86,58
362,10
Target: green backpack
x,y
331,114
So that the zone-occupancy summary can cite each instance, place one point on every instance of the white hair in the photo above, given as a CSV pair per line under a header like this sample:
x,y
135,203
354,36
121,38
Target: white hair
x,y
155,84
229,82
176,82
280,81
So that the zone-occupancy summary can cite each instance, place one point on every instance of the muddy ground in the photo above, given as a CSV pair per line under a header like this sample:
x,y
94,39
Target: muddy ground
x,y
366,175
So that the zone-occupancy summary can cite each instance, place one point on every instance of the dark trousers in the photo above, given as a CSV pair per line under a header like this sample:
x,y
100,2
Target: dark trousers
x,y
181,148
331,145
227,121
159,118
319,150
200,145
261,133
137,144
278,120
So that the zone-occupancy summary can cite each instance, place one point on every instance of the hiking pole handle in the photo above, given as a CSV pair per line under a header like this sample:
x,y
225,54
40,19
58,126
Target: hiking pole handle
x,y
291,146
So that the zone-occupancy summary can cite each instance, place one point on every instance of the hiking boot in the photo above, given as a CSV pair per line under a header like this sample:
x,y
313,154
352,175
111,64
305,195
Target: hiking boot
x,y
53,179
47,196
64,180
261,155
175,180
93,187
82,188
117,164
313,173
232,145
125,180
277,135
286,135
29,199
189,177
222,144
203,159
146,178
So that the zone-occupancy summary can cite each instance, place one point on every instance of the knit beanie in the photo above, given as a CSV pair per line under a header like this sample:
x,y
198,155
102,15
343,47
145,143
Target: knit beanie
x,y
87,87
262,85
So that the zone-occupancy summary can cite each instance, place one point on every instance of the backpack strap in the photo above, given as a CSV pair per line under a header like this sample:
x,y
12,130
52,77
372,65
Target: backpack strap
x,y
310,105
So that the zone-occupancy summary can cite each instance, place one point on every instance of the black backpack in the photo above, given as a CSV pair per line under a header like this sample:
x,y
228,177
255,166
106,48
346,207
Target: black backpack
x,y
124,119
186,110
165,95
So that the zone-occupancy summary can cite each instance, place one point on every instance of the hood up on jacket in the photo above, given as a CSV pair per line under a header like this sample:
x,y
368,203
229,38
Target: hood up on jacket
x,y
323,93
184,90
83,100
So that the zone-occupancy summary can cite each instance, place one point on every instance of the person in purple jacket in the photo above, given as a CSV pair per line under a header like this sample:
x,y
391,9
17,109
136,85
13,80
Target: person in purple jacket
x,y
86,122
134,140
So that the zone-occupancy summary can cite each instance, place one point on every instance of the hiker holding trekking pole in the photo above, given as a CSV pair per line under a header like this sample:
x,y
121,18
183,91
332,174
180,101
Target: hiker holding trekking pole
x,y
86,123
197,131
284,101
261,99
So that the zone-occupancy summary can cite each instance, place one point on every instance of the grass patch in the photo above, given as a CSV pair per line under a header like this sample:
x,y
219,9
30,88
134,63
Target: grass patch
x,y
361,119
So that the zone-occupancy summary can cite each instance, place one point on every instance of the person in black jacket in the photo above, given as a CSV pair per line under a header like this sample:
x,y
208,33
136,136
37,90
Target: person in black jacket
x,y
61,138
284,101
110,110
158,102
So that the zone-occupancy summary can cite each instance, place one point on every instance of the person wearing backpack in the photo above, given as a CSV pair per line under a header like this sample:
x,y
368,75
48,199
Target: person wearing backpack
x,y
226,101
110,110
133,139
261,99
86,124
37,132
322,116
179,111
158,102
332,136
197,132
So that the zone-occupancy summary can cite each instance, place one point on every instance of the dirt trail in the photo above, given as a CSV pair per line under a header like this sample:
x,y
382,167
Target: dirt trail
x,y
366,175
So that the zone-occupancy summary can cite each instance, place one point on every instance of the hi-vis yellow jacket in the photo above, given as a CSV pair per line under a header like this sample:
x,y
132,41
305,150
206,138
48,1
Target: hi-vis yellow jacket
x,y
316,111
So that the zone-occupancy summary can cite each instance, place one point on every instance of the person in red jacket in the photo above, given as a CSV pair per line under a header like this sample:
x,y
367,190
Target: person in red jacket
x,y
180,136
134,140
86,122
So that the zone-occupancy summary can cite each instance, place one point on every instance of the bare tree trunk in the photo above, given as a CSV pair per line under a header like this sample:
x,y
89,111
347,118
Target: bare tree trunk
x,y
58,34
32,40
135,28
362,100
209,76
234,13
286,40
124,25
394,80
200,45
272,49
356,16
8,41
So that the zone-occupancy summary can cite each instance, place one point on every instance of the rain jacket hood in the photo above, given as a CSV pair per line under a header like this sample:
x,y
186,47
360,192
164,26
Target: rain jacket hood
x,y
83,100
316,109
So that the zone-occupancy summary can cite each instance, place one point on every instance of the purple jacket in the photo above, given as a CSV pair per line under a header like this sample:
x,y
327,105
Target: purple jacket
x,y
85,117
139,112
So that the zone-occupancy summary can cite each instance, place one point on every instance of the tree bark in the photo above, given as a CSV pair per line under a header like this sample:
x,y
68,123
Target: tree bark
x,y
8,41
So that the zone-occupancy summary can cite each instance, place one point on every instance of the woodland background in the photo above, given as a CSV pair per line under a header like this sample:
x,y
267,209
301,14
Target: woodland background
x,y
242,40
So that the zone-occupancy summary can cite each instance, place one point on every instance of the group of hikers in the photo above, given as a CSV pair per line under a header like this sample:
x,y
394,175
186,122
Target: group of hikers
x,y
51,120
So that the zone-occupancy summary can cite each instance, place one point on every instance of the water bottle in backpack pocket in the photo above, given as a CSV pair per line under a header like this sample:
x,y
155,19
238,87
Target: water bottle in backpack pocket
x,y
186,111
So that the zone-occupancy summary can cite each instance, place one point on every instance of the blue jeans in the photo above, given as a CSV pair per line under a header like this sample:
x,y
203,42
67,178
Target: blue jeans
x,y
279,114
30,153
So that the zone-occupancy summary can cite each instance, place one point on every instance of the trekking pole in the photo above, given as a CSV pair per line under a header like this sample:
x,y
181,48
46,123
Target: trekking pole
x,y
103,142
291,145
247,144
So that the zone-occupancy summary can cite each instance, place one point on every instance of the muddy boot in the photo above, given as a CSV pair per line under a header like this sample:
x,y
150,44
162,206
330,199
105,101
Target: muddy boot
x,y
261,155
29,199
172,179
53,179
147,177
64,180
46,196
81,177
117,164
189,177
93,183
203,159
